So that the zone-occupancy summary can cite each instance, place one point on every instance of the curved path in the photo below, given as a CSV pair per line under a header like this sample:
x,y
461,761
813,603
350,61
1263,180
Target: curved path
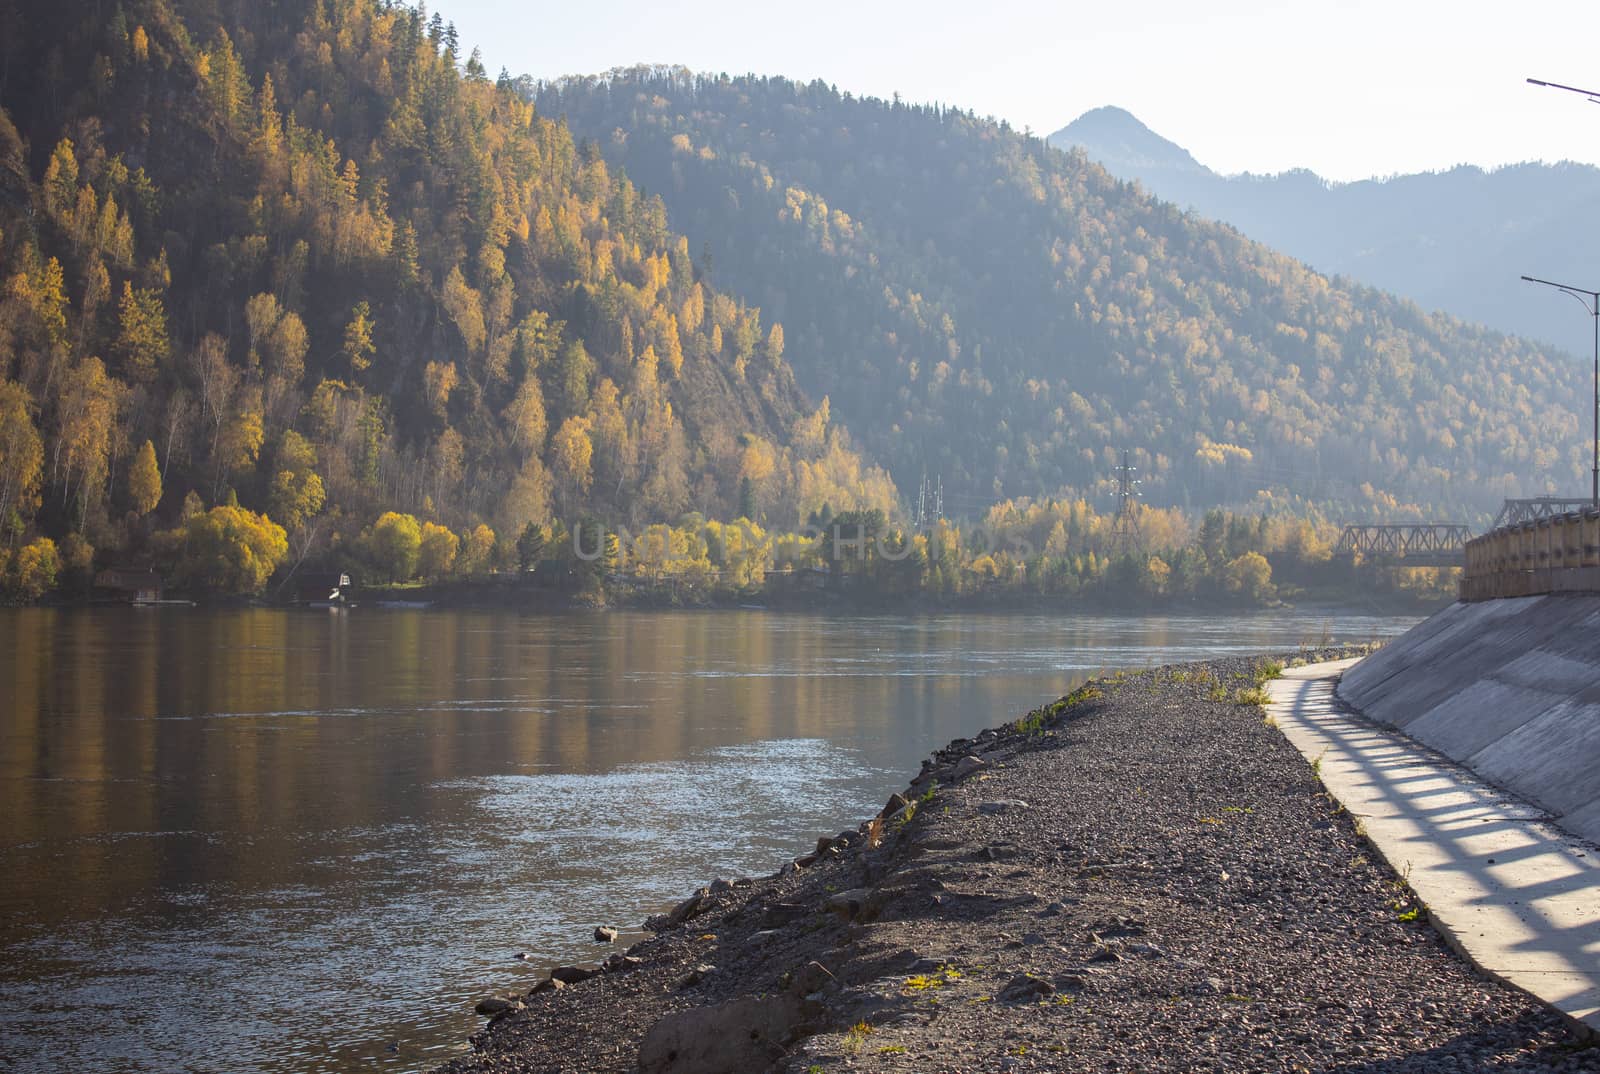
x,y
1518,896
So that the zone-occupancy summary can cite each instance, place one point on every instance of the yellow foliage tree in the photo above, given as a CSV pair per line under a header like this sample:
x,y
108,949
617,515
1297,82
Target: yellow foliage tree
x,y
34,573
231,550
144,480
436,551
392,546
477,549
21,454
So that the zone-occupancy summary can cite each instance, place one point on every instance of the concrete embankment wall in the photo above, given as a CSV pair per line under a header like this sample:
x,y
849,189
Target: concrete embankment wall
x,y
1510,688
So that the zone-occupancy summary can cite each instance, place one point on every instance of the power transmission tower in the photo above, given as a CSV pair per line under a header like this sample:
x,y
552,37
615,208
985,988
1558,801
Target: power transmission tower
x,y
1125,530
930,501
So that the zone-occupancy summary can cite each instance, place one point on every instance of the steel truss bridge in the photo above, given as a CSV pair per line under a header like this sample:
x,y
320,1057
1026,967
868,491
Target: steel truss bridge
x,y
1418,544
1516,512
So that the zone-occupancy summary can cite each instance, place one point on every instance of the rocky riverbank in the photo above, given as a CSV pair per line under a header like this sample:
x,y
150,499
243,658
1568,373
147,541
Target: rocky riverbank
x,y
1143,876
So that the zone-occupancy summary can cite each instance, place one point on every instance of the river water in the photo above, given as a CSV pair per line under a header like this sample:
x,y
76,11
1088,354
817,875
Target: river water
x,y
290,841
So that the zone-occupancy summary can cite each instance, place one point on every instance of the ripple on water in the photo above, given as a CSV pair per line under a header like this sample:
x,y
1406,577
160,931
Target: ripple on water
x,y
403,934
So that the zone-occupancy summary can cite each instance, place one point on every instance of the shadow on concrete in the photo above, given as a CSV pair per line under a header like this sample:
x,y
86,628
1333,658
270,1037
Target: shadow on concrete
x,y
1519,896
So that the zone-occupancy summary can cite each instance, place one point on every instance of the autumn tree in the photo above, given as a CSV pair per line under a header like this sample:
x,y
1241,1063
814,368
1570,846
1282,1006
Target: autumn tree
x,y
144,480
33,574
477,550
21,456
87,415
436,551
229,549
392,546
295,498
465,307
142,332
525,417
358,347
573,454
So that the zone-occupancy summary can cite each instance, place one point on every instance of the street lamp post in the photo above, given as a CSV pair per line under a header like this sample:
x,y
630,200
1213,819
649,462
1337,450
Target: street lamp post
x,y
1591,306
1591,303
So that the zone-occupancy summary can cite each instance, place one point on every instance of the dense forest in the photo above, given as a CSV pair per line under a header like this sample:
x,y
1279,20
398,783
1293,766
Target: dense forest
x,y
985,308
270,273
300,285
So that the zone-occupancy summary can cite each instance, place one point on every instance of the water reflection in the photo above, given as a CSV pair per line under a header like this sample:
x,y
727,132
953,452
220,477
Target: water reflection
x,y
290,841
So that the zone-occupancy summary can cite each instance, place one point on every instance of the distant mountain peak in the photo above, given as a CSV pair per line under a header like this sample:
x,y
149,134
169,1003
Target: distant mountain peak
x,y
1115,137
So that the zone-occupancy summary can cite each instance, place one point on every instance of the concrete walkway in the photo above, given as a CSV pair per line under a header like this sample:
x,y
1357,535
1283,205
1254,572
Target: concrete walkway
x,y
1517,896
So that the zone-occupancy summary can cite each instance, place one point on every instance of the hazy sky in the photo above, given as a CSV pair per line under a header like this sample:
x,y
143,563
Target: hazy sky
x,y
1348,89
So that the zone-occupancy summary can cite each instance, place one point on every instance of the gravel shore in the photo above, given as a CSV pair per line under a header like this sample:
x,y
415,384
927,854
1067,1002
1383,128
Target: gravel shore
x,y
1142,877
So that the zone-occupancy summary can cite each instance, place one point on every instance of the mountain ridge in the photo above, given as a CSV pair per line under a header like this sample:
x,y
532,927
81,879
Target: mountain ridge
x,y
981,306
1455,239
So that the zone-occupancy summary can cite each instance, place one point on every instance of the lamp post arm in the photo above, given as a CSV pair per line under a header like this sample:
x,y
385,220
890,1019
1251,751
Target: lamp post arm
x,y
1570,89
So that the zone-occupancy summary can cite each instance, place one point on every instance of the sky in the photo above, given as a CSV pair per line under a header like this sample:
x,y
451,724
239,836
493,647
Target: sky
x,y
1350,88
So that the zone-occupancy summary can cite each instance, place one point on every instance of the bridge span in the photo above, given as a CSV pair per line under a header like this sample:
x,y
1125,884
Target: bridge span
x,y
1413,544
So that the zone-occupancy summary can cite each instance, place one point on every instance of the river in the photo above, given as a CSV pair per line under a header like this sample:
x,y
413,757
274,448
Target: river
x,y
289,841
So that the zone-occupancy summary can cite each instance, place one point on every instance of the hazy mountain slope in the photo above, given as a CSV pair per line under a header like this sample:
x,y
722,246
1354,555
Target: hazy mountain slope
x,y
996,311
309,238
1457,240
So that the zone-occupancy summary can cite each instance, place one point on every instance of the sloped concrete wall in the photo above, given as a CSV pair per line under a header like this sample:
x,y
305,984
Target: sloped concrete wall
x,y
1510,688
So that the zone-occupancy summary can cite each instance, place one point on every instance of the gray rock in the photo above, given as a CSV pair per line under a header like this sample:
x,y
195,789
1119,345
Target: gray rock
x,y
966,766
685,910
896,803
1002,805
495,1005
621,963
1025,989
605,934
1072,980
851,904
719,885
1110,951
1211,986
549,984
571,974
736,1037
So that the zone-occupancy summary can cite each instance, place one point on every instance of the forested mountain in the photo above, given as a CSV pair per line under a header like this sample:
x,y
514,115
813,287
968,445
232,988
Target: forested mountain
x,y
296,264
988,308
1456,240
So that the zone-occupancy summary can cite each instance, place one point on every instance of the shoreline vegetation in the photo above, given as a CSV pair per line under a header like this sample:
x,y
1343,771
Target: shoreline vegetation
x,y
1141,875
1049,554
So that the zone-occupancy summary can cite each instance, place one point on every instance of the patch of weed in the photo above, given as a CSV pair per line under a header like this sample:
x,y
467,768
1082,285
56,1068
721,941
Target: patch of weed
x,y
855,1037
